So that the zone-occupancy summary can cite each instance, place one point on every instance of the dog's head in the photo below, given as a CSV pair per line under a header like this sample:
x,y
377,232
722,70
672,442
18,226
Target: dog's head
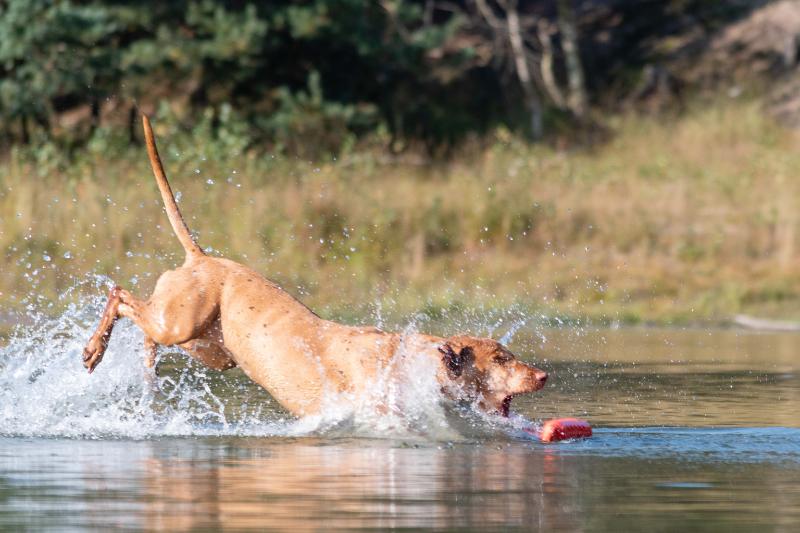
x,y
484,371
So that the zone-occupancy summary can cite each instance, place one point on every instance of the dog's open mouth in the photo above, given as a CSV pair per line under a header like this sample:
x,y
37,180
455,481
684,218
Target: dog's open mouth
x,y
505,406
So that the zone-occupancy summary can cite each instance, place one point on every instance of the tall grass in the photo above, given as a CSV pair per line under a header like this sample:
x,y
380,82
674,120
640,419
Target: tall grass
x,y
675,219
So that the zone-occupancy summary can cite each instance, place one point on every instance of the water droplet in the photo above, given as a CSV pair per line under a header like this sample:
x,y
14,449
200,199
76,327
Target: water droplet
x,y
67,255
210,181
46,257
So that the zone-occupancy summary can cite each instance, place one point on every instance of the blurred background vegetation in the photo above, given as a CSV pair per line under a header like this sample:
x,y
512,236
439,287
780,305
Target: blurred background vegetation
x,y
607,160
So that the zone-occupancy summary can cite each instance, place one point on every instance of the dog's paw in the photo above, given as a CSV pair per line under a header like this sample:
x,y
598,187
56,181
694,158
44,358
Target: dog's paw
x,y
93,353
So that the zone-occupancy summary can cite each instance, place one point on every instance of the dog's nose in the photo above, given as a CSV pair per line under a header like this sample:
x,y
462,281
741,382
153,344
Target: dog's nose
x,y
541,376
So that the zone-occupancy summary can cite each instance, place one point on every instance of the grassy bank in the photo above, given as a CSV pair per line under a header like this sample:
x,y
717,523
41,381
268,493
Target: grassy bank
x,y
674,220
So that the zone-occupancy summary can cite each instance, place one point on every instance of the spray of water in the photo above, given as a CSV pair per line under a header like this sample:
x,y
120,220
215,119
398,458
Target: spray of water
x,y
45,391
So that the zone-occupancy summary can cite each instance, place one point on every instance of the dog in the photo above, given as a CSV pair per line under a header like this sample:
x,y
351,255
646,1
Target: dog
x,y
226,315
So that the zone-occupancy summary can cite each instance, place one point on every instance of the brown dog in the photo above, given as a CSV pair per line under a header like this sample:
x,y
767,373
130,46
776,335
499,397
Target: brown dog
x,y
226,315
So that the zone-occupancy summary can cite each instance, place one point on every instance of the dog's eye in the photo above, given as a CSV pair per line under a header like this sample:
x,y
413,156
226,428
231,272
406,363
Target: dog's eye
x,y
502,358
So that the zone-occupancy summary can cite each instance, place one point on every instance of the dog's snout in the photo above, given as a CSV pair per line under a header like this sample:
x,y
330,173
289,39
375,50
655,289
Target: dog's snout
x,y
541,376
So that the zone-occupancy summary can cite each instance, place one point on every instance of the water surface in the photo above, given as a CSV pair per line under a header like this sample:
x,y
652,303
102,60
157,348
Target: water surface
x,y
695,430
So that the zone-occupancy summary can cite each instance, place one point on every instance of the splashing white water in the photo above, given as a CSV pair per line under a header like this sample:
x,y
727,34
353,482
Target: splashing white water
x,y
45,391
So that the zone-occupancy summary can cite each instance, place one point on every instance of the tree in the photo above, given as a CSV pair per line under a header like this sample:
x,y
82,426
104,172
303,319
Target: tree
x,y
525,40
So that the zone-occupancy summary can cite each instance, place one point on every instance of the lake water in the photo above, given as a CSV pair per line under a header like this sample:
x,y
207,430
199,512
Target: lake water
x,y
694,430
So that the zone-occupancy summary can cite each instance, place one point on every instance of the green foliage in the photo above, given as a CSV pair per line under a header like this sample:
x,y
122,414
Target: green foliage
x,y
310,77
51,51
305,124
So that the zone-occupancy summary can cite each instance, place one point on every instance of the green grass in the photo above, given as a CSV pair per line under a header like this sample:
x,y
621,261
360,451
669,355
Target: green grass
x,y
675,219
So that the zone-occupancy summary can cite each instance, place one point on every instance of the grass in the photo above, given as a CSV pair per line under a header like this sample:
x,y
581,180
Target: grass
x,y
674,220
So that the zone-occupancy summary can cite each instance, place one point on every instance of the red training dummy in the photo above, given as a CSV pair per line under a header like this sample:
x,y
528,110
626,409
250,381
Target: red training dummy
x,y
564,429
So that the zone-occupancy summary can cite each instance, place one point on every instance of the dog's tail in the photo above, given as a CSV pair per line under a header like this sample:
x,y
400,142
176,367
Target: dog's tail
x,y
175,219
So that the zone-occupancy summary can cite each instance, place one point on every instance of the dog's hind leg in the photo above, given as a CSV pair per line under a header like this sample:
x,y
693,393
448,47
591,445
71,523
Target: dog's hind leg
x,y
209,349
96,347
122,303
210,354
150,370
149,352
98,343
180,310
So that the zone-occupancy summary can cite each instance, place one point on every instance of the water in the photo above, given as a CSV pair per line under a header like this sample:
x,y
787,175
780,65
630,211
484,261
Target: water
x,y
694,430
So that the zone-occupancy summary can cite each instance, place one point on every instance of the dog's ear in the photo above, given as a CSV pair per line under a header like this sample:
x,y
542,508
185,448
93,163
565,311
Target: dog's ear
x,y
455,362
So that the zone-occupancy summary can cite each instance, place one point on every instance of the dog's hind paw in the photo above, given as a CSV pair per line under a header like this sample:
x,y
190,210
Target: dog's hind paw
x,y
93,353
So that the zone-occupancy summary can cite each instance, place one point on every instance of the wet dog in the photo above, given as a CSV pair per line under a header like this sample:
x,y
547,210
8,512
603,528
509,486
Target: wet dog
x,y
226,315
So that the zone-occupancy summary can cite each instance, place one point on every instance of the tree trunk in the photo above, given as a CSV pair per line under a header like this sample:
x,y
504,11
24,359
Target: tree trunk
x,y
549,82
577,99
537,112
523,72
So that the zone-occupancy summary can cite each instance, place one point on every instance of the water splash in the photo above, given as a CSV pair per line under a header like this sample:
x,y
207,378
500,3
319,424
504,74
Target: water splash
x,y
45,391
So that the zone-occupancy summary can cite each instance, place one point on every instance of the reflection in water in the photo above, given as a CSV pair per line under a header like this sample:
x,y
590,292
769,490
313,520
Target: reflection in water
x,y
301,486
250,483
678,445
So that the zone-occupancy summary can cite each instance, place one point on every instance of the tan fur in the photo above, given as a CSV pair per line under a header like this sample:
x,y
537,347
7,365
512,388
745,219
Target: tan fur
x,y
226,315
